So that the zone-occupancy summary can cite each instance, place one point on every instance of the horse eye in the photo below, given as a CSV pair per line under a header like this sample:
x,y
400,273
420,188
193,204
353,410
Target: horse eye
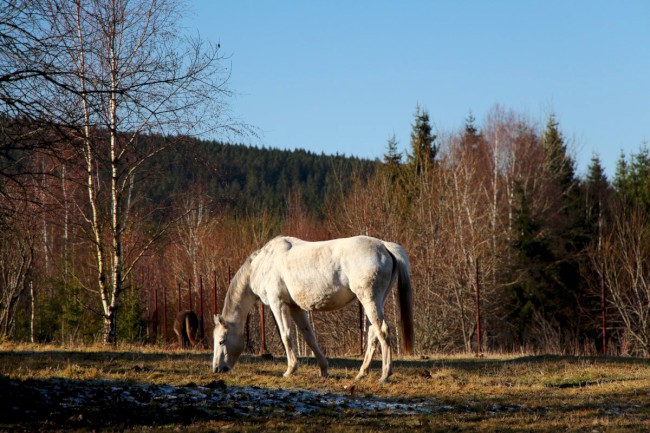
x,y
222,342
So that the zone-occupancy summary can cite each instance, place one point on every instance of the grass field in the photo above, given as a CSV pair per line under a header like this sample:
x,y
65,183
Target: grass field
x,y
147,389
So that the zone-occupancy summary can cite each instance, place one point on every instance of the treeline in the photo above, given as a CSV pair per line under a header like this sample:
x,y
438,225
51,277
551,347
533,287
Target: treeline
x,y
560,261
502,230
248,180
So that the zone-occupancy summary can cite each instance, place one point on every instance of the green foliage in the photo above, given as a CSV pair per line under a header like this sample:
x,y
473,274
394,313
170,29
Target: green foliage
x,y
423,146
131,325
596,196
534,275
247,180
65,315
632,179
392,157
557,162
392,161
549,289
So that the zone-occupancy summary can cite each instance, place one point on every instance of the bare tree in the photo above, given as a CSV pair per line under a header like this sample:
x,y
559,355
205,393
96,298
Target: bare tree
x,y
24,122
16,258
625,270
197,249
123,71
466,225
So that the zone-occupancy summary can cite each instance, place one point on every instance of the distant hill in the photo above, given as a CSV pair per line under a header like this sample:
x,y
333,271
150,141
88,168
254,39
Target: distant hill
x,y
245,179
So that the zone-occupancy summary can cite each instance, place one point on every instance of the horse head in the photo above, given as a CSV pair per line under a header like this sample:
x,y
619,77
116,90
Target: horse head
x,y
228,345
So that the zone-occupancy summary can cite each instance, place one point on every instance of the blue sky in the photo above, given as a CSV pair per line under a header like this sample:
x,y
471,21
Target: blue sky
x,y
343,76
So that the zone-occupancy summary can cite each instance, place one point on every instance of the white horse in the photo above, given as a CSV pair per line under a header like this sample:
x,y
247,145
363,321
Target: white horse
x,y
293,276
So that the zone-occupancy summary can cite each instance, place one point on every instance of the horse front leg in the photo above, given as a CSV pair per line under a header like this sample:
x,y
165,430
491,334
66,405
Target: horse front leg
x,y
283,319
301,319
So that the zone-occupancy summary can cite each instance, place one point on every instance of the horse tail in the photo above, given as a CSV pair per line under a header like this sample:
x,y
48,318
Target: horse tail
x,y
191,322
405,294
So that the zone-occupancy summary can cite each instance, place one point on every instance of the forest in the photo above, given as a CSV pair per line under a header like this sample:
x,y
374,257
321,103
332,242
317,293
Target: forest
x,y
559,260
114,216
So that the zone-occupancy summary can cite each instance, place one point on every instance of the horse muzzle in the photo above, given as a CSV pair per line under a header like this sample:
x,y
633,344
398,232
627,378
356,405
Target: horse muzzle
x,y
224,369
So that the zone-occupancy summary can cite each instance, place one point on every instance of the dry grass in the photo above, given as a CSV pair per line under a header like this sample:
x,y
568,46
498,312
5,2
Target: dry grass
x,y
496,393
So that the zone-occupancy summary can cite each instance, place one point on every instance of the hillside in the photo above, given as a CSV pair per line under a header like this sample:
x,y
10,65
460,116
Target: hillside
x,y
245,179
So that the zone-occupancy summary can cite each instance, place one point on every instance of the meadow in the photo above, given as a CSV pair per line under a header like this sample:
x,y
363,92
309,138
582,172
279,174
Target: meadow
x,y
139,388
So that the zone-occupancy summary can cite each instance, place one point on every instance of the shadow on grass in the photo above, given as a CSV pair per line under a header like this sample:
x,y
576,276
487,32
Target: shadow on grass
x,y
464,363
472,363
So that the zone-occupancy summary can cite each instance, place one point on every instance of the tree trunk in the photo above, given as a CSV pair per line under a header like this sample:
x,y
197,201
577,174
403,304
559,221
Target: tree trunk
x,y
33,312
110,327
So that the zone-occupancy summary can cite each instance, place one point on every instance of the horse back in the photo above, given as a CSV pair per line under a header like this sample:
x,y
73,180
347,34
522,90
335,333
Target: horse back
x,y
323,275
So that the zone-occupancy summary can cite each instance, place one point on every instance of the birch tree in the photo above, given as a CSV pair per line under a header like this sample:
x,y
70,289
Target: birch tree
x,y
126,71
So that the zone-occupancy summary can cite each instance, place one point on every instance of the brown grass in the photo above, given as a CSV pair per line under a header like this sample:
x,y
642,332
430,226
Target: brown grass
x,y
495,393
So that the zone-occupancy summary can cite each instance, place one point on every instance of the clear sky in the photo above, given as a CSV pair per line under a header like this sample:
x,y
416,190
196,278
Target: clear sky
x,y
343,76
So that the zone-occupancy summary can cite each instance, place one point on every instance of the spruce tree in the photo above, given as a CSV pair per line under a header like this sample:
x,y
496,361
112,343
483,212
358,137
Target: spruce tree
x,y
557,161
423,147
529,294
595,188
392,157
392,160
632,179
550,247
471,137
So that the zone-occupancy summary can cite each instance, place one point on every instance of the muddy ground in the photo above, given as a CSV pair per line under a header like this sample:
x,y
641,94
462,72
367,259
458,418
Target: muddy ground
x,y
58,403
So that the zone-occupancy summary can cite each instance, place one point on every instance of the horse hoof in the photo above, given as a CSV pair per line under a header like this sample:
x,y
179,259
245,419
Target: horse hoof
x,y
383,379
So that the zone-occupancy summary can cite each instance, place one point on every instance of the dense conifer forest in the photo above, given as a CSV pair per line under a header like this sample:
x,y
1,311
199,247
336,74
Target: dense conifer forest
x,y
246,179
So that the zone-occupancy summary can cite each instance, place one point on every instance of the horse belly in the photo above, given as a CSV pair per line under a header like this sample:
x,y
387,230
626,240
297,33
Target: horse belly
x,y
322,298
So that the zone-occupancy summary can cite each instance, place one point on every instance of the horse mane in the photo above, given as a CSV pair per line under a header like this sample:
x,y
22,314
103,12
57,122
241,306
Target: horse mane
x,y
238,284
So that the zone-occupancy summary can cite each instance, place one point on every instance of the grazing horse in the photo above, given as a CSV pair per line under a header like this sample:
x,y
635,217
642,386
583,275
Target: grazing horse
x,y
186,327
293,276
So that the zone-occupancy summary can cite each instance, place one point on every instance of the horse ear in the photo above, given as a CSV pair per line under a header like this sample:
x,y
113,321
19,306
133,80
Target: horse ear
x,y
218,320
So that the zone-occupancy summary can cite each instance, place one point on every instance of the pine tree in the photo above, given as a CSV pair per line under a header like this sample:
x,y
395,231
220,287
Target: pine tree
x,y
471,137
596,174
550,248
595,188
632,179
529,293
392,157
392,161
557,161
423,147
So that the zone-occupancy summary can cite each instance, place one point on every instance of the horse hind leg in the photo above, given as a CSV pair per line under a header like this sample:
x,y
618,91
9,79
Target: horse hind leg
x,y
300,317
386,330
371,346
376,317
